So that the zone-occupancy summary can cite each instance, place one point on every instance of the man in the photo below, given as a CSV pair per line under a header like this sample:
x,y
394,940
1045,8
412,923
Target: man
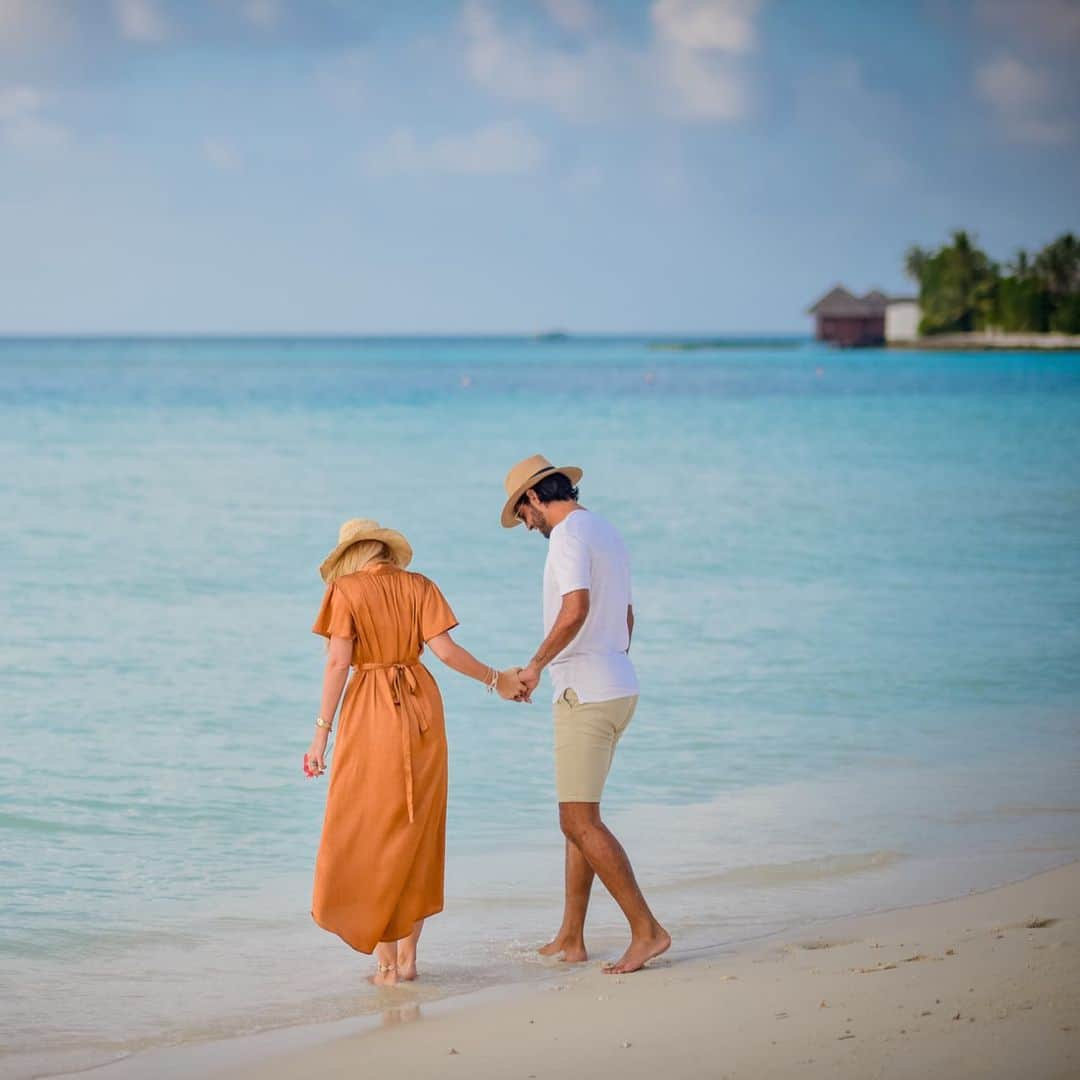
x,y
588,622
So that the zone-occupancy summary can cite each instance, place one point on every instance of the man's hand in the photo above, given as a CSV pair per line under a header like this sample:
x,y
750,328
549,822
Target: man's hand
x,y
509,685
530,679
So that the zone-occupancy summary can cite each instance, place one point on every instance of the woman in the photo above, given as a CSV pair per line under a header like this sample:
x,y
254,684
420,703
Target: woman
x,y
379,871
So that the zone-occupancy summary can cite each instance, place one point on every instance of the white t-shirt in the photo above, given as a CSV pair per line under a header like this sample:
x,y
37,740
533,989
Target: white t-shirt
x,y
586,552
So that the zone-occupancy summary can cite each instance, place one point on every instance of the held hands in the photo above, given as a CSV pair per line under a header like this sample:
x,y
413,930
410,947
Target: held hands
x,y
518,684
530,680
509,685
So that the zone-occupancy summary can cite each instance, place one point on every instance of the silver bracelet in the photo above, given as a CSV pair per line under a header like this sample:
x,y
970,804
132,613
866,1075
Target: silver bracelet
x,y
493,681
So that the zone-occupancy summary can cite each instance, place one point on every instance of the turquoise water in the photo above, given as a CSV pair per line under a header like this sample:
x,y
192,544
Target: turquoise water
x,y
857,585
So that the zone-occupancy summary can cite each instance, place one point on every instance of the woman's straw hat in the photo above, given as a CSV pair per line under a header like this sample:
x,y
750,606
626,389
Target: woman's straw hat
x,y
357,529
526,474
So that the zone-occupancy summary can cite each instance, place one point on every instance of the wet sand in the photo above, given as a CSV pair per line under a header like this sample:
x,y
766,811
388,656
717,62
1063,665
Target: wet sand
x,y
984,986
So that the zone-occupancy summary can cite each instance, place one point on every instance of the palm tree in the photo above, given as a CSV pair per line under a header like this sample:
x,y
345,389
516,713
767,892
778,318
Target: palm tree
x,y
957,284
1058,266
915,263
1020,267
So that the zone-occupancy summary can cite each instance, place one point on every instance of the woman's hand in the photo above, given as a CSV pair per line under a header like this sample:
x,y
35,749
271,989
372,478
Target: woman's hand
x,y
509,685
315,758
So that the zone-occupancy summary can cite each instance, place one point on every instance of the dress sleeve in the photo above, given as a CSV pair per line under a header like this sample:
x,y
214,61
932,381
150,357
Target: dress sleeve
x,y
435,614
335,616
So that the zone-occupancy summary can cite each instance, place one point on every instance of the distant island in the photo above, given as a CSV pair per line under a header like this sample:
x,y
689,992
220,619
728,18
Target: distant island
x,y
966,301
695,344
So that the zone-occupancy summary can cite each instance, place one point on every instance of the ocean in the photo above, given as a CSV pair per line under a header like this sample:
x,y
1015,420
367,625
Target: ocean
x,y
857,590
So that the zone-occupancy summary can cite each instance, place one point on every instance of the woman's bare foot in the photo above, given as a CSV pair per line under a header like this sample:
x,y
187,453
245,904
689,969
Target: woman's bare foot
x,y
402,953
386,975
640,952
567,950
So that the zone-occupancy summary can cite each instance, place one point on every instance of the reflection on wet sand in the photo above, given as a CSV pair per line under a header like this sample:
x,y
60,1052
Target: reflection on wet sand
x,y
401,1014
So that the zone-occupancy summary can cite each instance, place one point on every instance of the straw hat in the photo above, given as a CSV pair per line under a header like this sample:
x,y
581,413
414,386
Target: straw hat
x,y
357,529
526,474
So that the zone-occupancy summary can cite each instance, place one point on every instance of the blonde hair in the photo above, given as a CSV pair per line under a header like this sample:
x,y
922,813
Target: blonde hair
x,y
358,555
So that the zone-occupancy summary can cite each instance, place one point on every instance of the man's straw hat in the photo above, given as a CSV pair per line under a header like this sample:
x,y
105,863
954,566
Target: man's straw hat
x,y
357,529
526,474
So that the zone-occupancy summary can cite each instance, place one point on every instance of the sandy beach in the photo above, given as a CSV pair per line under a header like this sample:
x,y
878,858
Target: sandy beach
x,y
987,985
984,341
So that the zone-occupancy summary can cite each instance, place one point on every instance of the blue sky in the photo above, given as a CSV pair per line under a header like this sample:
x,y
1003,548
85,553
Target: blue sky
x,y
326,166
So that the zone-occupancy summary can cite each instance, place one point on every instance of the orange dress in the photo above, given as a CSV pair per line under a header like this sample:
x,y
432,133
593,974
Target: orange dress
x,y
381,858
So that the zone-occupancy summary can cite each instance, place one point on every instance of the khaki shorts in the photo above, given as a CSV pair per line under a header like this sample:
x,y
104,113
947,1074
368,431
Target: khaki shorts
x,y
586,734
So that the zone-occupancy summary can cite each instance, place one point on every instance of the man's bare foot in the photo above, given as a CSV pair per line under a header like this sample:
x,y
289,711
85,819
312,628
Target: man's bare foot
x,y
640,952
569,952
552,948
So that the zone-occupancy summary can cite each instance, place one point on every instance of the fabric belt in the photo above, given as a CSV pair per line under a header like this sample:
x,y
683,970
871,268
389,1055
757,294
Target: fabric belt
x,y
403,687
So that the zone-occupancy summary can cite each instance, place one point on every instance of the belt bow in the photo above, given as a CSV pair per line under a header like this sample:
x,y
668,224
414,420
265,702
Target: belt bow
x,y
403,686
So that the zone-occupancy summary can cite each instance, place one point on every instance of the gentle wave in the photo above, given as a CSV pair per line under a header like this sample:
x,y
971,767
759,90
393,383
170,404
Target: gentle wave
x,y
857,638
774,875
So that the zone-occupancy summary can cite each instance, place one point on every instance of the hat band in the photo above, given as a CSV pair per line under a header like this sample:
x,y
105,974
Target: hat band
x,y
546,468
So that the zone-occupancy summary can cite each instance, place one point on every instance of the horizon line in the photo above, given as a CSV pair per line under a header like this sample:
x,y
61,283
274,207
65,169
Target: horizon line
x,y
348,335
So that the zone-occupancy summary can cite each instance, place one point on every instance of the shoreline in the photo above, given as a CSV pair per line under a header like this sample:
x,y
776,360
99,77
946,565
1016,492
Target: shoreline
x,y
981,341
779,997
276,980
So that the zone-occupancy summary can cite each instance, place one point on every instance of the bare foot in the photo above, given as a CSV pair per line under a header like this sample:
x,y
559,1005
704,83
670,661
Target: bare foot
x,y
640,953
569,952
552,948
384,976
406,968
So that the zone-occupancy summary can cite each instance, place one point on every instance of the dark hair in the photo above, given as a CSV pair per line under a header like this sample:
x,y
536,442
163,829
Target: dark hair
x,y
555,487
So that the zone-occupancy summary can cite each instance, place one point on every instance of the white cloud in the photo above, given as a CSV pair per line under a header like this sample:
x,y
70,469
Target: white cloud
x,y
1024,98
22,125
514,67
501,149
263,14
1028,75
1055,23
1012,85
140,20
724,25
222,154
698,41
22,20
14,14
705,87
691,66
577,16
